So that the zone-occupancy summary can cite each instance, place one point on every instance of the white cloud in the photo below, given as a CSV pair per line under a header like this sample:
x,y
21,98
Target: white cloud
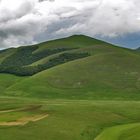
x,y
28,21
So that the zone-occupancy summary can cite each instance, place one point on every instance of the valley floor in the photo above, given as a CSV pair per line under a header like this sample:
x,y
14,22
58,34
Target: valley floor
x,y
69,119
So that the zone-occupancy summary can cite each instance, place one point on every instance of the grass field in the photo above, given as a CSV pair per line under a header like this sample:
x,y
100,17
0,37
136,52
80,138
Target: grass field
x,y
69,119
121,132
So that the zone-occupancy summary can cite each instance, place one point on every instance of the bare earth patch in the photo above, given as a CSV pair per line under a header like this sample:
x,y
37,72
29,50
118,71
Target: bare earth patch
x,y
24,120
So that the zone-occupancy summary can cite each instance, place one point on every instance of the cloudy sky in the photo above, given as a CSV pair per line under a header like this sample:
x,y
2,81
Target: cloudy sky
x,y
31,21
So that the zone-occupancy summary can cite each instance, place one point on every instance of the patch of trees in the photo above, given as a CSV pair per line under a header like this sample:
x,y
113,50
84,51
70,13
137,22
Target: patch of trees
x,y
31,70
25,56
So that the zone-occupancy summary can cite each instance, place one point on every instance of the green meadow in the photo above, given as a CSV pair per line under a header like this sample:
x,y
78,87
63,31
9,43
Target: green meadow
x,y
71,119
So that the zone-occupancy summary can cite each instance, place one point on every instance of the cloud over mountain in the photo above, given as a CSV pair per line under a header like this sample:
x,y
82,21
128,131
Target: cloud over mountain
x,y
29,21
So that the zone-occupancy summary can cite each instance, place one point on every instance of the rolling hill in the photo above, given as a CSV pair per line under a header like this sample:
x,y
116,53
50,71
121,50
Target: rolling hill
x,y
77,67
47,88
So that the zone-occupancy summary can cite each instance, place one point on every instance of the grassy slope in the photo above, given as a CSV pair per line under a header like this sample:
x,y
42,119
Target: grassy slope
x,y
120,132
108,74
7,80
131,134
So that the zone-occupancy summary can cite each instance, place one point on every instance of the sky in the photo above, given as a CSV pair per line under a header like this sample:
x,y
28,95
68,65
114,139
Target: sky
x,y
24,22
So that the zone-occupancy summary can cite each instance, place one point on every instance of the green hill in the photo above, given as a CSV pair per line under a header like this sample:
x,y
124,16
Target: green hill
x,y
77,67
21,61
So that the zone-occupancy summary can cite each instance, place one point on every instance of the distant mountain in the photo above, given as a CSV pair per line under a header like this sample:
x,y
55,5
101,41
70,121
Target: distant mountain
x,y
77,67
138,49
